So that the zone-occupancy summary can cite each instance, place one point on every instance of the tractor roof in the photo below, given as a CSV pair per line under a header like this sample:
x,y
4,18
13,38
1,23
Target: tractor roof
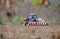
x,y
32,14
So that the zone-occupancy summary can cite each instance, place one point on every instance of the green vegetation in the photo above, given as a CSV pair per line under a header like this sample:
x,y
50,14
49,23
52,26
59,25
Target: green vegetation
x,y
35,2
1,23
16,20
58,22
55,7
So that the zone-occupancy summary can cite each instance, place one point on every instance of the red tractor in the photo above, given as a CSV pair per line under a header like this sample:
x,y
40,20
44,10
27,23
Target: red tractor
x,y
33,20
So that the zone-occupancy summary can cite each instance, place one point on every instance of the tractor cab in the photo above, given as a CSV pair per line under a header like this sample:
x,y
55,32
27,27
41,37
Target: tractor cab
x,y
32,17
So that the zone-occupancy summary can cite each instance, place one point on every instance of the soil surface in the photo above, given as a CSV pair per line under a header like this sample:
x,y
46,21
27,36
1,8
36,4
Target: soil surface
x,y
28,32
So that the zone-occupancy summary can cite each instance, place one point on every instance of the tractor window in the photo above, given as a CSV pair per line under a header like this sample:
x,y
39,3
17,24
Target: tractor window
x,y
34,17
30,17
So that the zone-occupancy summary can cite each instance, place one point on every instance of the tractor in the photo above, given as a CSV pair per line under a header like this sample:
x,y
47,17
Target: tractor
x,y
33,20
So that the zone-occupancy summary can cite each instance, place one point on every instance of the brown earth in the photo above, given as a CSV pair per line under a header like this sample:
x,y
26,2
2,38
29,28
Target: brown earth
x,y
28,32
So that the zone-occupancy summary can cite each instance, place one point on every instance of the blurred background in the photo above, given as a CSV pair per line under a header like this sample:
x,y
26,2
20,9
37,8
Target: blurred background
x,y
46,9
